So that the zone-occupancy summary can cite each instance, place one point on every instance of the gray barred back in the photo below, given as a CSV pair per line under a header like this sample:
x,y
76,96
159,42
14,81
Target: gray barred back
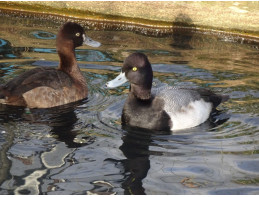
x,y
176,97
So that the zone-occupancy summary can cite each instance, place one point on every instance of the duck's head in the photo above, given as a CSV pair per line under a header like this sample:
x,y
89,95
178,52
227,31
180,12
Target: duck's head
x,y
138,71
73,34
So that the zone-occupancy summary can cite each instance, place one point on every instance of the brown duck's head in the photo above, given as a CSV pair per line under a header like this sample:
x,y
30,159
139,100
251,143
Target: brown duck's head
x,y
73,35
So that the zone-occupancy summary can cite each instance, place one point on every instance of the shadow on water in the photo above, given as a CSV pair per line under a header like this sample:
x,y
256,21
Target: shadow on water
x,y
182,35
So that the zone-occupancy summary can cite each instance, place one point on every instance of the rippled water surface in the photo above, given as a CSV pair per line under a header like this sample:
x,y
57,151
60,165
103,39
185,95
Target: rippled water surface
x,y
82,149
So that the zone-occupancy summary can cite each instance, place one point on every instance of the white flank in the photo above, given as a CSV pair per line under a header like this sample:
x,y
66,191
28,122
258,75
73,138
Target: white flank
x,y
190,116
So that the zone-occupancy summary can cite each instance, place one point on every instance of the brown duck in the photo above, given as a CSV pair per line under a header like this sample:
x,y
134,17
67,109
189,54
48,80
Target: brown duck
x,y
45,87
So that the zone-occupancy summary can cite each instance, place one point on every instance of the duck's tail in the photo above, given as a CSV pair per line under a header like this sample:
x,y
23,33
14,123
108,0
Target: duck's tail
x,y
216,99
224,98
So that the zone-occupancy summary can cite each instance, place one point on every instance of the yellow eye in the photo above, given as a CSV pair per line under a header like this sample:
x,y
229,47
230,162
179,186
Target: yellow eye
x,y
77,34
134,68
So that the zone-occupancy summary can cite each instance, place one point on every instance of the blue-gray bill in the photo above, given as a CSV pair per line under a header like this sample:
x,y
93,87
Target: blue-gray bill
x,y
118,81
90,42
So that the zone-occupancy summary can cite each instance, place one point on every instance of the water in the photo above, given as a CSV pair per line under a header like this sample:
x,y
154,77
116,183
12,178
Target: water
x,y
81,148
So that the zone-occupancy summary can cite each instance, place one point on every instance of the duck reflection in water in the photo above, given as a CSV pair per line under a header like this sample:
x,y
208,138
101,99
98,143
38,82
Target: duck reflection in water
x,y
61,119
135,147
135,167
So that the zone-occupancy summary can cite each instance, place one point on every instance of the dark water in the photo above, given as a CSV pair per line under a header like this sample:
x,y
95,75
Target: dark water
x,y
81,148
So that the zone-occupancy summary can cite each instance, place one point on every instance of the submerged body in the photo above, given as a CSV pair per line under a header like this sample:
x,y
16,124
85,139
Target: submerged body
x,y
47,87
166,108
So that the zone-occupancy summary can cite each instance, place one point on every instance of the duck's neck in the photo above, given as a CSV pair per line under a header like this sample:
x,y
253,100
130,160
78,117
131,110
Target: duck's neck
x,y
68,63
140,93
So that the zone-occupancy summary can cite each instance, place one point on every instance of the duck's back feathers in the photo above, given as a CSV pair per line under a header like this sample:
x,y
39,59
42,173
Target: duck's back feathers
x,y
46,85
177,97
35,78
188,107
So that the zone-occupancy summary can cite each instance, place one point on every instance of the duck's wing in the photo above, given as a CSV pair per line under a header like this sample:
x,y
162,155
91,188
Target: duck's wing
x,y
178,97
188,107
34,78
210,96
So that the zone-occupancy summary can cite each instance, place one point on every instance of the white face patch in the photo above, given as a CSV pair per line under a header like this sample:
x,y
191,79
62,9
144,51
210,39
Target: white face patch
x,y
118,81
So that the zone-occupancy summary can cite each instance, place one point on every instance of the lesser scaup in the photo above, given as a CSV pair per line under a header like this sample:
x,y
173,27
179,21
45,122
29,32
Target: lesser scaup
x,y
48,87
165,108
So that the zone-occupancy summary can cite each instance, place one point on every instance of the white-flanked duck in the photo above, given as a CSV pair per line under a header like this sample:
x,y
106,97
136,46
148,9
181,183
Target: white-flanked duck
x,y
165,108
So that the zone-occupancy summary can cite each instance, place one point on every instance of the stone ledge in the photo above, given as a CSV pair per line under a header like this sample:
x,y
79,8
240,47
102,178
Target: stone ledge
x,y
239,17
